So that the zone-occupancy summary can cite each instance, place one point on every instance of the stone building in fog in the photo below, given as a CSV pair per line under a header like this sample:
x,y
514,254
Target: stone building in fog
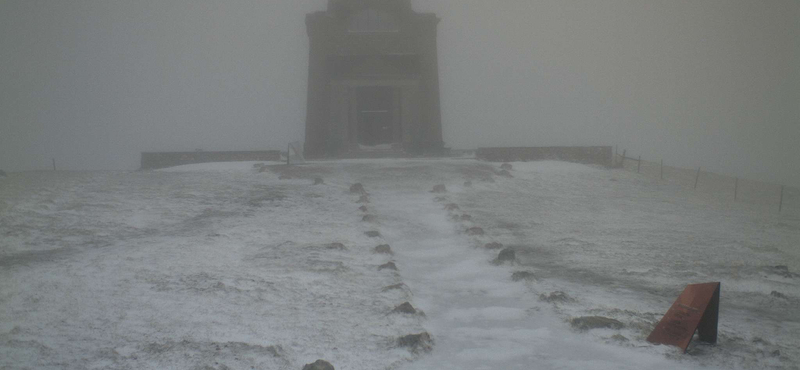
x,y
373,80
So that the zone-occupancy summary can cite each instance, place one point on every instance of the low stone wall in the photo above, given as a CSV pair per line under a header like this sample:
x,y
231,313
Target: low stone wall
x,y
601,155
151,161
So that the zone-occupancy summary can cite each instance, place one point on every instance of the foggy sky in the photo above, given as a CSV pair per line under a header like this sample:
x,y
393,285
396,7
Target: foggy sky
x,y
712,83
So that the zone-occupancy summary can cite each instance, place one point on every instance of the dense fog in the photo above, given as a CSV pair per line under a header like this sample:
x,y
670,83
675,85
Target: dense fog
x,y
264,184
711,83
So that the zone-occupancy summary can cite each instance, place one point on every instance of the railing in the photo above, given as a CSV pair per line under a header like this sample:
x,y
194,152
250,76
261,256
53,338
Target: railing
x,y
724,187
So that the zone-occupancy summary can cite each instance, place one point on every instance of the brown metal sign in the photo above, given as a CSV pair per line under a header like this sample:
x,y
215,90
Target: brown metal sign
x,y
696,309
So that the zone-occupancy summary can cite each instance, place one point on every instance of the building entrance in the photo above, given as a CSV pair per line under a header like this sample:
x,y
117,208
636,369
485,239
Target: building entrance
x,y
376,114
373,81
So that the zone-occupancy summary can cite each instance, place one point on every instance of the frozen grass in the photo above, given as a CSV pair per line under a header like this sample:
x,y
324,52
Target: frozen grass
x,y
219,266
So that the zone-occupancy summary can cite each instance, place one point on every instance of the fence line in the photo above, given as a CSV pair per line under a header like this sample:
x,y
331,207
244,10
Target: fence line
x,y
735,189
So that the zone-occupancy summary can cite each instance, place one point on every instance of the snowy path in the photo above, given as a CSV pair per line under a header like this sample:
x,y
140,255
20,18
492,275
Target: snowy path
x,y
220,266
478,317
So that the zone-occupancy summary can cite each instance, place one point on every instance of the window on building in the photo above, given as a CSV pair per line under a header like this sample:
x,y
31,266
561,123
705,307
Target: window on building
x,y
373,20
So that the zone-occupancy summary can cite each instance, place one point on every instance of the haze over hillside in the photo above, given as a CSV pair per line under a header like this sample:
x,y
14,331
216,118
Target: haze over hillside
x,y
711,83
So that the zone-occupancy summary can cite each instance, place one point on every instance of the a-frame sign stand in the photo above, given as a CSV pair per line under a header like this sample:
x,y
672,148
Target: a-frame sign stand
x,y
696,309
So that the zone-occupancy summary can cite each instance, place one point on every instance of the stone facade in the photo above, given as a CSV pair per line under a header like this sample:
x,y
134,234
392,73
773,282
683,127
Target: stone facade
x,y
373,80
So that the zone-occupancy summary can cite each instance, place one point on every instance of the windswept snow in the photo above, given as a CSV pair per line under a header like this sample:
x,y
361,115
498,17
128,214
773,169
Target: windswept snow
x,y
220,266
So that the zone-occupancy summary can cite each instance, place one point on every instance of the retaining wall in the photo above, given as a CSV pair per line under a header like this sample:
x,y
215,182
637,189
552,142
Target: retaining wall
x,y
170,159
601,155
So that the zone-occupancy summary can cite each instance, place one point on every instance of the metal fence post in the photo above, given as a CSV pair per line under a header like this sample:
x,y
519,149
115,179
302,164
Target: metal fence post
x,y
639,165
697,177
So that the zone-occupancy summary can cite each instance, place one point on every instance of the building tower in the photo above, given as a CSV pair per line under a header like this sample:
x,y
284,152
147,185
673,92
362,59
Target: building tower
x,y
373,80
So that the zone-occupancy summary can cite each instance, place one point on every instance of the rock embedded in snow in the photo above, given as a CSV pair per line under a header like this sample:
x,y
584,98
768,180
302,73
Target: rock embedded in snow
x,y
595,322
781,268
619,338
783,271
336,246
363,209
319,365
506,255
504,173
451,207
387,266
556,297
406,308
384,249
363,199
318,181
260,167
475,231
493,245
398,286
759,340
522,275
777,294
372,234
506,166
421,342
440,199
439,189
466,217
357,188
284,177
369,218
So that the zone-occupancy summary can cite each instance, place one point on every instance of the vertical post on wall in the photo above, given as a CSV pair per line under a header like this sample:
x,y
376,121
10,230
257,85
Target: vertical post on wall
x,y
697,177
639,165
662,169
54,164
623,157
736,190
780,205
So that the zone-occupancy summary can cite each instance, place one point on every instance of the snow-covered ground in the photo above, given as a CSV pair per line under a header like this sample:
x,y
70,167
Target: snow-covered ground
x,y
218,266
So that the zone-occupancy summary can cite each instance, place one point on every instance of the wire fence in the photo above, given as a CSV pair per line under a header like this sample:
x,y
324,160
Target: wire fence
x,y
782,198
